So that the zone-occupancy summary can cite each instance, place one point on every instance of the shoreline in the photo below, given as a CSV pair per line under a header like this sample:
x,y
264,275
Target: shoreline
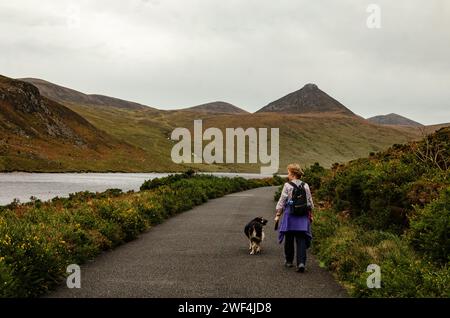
x,y
46,186
130,172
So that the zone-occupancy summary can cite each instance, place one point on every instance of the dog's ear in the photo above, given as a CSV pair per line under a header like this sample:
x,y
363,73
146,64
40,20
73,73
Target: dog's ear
x,y
262,220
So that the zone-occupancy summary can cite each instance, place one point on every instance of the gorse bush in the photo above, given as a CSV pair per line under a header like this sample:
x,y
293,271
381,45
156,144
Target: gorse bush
x,y
38,240
157,182
430,228
313,176
380,192
434,150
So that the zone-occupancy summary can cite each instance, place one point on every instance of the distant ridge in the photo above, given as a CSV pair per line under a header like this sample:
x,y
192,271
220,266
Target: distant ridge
x,y
67,95
309,99
217,107
394,119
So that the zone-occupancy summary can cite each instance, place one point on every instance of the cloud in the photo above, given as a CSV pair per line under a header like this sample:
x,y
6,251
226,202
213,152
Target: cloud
x,y
172,54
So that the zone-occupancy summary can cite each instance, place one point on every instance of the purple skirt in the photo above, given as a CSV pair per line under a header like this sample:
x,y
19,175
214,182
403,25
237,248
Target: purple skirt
x,y
290,222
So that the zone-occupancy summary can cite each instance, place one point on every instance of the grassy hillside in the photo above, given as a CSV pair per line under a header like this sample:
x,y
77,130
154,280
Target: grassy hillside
x,y
324,138
124,136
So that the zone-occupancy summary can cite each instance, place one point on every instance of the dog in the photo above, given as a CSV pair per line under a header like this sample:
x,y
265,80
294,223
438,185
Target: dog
x,y
255,233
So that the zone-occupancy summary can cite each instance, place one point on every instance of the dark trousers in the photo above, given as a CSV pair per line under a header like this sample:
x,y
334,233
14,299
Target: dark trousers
x,y
300,239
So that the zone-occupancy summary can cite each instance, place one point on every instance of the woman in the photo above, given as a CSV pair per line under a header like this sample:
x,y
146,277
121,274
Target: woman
x,y
293,227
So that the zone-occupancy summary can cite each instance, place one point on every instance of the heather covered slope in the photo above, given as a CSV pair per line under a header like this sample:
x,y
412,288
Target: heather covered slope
x,y
38,134
325,138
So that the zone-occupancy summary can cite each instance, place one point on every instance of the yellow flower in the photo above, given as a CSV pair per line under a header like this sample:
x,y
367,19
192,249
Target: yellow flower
x,y
7,240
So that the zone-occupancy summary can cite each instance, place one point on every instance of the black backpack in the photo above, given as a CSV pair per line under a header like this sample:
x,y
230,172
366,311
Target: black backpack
x,y
299,200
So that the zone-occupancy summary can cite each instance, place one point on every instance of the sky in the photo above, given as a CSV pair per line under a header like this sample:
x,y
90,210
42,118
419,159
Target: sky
x,y
173,54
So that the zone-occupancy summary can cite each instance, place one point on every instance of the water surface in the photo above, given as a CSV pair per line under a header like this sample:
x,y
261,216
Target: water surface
x,y
45,186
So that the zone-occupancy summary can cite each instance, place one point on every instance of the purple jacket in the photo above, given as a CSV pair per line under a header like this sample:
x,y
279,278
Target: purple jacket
x,y
290,222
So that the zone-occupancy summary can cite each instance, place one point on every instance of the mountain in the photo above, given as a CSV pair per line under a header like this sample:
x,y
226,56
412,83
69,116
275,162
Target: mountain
x,y
305,138
309,99
81,136
394,119
39,134
66,95
217,107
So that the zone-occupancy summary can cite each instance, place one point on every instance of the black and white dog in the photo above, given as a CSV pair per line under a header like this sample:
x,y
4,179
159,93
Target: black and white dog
x,y
255,233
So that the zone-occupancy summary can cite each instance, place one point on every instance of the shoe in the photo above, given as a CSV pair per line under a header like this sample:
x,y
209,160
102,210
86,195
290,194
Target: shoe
x,y
301,268
288,264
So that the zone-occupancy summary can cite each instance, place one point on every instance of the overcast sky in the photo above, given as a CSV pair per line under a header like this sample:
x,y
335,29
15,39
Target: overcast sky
x,y
172,54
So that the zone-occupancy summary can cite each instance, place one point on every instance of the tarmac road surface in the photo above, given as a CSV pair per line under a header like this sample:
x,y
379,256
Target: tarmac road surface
x,y
204,253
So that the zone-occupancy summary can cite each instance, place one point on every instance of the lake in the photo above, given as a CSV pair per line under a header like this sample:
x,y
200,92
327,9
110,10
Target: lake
x,y
45,186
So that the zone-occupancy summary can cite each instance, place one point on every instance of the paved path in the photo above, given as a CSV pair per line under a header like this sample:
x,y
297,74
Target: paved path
x,y
203,253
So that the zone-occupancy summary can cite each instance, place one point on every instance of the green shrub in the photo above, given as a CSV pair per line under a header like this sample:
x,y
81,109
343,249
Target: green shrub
x,y
380,194
8,284
158,182
313,176
393,210
405,274
278,180
430,228
348,249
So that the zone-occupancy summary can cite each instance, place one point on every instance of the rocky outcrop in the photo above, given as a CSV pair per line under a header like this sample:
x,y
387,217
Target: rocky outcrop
x,y
25,112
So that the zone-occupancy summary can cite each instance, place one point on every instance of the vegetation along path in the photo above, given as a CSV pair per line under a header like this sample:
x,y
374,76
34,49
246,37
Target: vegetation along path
x,y
203,253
